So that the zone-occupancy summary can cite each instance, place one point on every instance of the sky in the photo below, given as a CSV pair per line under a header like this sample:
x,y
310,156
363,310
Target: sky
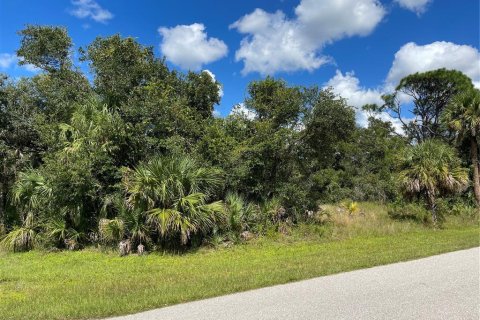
x,y
359,48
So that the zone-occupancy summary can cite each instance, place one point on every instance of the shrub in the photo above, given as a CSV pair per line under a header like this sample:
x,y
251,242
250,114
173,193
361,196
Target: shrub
x,y
111,231
453,207
58,234
430,170
319,217
136,227
410,211
273,211
175,194
240,214
460,209
351,207
22,238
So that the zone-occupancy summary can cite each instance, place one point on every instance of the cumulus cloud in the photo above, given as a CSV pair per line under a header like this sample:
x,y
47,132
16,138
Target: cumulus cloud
x,y
242,111
31,68
413,58
216,114
212,75
410,58
348,86
90,9
275,43
417,6
329,20
189,47
9,60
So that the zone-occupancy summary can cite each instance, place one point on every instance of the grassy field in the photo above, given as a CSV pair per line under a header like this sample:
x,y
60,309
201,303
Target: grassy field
x,y
92,284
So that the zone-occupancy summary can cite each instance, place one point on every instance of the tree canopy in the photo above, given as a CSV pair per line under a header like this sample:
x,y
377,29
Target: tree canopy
x,y
429,93
137,154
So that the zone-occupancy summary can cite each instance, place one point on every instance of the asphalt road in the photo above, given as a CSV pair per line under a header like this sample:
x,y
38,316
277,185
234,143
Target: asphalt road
x,y
439,287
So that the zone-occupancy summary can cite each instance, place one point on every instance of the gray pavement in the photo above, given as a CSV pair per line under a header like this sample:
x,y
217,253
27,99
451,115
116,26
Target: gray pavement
x,y
440,287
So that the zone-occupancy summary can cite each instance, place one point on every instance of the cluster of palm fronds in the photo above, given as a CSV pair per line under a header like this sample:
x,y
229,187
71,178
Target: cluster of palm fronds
x,y
431,169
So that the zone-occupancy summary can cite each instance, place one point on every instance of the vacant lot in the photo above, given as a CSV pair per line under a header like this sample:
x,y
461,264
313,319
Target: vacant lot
x,y
85,284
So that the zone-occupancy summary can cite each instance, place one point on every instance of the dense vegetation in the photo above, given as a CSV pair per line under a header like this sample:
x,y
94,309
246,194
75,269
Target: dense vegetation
x,y
136,157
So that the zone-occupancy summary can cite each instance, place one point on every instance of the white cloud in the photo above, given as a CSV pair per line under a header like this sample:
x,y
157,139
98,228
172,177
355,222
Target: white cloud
x,y
31,68
242,111
413,58
189,47
417,6
90,9
396,123
216,114
348,86
274,43
7,60
329,20
212,75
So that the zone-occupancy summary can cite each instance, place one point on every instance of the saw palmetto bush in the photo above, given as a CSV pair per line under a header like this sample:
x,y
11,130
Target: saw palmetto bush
x,y
133,221
137,228
30,194
22,238
31,191
111,230
241,215
61,236
175,194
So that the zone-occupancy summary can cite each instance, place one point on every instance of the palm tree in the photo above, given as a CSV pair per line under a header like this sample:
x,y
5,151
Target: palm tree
x,y
31,192
174,193
137,228
92,127
463,115
133,220
429,170
240,214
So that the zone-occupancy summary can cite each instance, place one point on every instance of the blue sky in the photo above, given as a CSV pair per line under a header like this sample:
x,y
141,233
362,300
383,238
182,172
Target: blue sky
x,y
359,47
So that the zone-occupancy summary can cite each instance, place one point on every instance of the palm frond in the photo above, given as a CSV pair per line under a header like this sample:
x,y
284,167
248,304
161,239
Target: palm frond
x,y
111,230
22,238
174,194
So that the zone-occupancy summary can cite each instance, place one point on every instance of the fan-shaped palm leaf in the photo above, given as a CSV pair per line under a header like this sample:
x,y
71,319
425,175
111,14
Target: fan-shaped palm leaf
x,y
111,230
174,193
463,115
431,169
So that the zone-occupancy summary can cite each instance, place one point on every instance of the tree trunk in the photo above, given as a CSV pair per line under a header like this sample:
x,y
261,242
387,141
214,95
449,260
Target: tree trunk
x,y
476,175
433,207
3,194
2,206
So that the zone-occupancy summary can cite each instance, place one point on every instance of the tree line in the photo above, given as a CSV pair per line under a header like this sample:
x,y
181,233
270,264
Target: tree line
x,y
136,153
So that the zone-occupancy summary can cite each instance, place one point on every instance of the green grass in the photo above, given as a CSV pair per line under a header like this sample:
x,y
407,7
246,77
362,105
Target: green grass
x,y
91,284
